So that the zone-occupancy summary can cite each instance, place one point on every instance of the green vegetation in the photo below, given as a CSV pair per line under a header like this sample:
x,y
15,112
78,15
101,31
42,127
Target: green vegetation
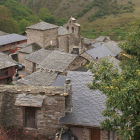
x,y
115,34
107,7
15,17
122,88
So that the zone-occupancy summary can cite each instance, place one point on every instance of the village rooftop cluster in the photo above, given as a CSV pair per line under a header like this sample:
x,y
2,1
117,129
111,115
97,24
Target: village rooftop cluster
x,y
52,97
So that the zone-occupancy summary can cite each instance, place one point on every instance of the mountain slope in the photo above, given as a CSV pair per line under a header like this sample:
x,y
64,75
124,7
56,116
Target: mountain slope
x,y
15,16
97,17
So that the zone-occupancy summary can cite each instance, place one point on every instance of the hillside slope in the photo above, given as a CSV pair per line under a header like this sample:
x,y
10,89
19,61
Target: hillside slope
x,y
97,17
115,26
15,16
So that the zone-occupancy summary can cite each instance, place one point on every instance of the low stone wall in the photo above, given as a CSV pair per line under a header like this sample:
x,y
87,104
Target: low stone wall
x,y
104,135
86,134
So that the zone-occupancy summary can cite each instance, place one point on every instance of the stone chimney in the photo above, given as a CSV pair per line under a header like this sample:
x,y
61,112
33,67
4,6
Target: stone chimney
x,y
68,98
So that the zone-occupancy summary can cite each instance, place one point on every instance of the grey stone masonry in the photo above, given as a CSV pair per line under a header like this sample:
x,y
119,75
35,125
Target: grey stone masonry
x,y
14,100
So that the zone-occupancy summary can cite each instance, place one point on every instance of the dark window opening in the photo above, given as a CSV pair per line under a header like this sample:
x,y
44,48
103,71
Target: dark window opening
x,y
72,29
4,72
29,117
75,51
67,27
34,67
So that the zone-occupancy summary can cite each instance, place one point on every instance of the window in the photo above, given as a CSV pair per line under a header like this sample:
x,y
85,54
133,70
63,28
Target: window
x,y
29,117
75,51
72,29
113,135
68,28
4,72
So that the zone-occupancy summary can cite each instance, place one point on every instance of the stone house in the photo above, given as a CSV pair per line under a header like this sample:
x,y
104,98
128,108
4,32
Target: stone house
x,y
32,60
34,108
43,33
25,50
53,60
67,38
9,42
62,62
63,39
45,110
7,69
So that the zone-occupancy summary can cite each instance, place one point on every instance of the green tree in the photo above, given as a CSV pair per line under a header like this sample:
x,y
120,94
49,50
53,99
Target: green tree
x,y
7,24
43,12
122,89
46,16
23,24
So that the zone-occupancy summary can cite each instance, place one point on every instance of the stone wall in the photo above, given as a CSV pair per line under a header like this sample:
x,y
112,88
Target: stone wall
x,y
72,27
86,134
104,135
50,37
10,115
28,67
74,40
63,43
21,59
35,36
47,116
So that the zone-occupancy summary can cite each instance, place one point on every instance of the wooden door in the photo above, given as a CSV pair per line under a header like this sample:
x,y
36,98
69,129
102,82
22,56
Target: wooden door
x,y
30,117
77,131
95,134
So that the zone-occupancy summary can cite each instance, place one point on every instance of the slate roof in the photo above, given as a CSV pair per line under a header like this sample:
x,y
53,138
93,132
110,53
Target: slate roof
x,y
38,78
6,61
57,61
60,80
2,33
29,100
62,31
87,56
30,48
42,26
87,104
88,41
98,44
100,52
10,38
38,56
21,46
112,45
102,38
